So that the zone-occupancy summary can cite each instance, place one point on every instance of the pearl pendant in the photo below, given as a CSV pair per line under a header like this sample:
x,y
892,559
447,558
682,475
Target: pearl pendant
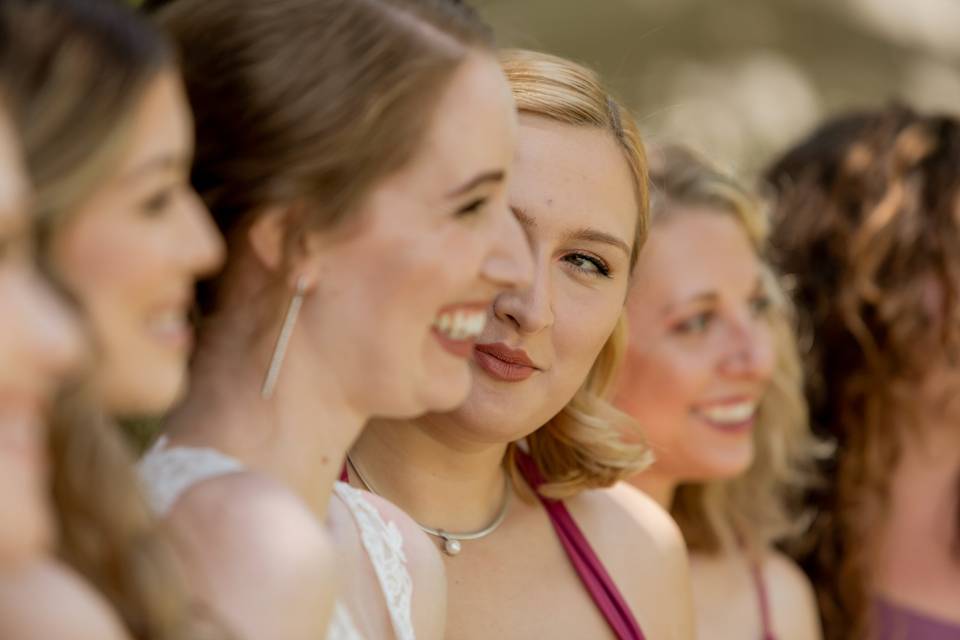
x,y
451,547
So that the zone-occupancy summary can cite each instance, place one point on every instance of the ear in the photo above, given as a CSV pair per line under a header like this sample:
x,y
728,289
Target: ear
x,y
267,236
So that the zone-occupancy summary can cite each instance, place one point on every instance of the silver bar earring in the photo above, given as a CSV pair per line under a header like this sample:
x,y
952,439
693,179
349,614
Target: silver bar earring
x,y
280,349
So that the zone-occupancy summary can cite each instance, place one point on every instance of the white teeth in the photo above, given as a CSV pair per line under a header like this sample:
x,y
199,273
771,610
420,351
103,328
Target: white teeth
x,y
731,413
461,325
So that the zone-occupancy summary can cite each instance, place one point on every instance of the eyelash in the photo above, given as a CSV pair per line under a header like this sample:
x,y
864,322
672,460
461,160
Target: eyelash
x,y
156,204
471,208
760,305
602,270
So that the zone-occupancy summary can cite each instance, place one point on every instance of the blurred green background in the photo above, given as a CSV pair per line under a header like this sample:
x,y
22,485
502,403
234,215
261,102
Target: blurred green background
x,y
741,79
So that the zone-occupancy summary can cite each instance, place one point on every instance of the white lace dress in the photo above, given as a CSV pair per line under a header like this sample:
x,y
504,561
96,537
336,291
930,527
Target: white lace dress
x,y
167,473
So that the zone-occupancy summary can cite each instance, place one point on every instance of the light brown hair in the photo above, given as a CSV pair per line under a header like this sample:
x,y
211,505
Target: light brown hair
x,y
76,70
311,102
580,448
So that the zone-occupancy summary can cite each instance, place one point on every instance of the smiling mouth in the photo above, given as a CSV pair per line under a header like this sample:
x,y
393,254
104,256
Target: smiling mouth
x,y
458,327
730,417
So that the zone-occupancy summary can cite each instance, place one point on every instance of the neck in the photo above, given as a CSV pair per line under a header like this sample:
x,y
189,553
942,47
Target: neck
x,y
441,482
299,436
657,485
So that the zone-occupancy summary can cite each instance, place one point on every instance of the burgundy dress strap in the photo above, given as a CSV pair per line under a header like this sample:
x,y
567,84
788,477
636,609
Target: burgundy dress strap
x,y
588,566
344,477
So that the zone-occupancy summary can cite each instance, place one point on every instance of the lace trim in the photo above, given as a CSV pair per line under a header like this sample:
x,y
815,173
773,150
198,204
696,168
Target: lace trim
x,y
384,545
167,473
341,625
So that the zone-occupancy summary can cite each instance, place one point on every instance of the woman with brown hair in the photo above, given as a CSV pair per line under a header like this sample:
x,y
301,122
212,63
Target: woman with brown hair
x,y
354,154
519,485
107,138
867,213
713,377
39,344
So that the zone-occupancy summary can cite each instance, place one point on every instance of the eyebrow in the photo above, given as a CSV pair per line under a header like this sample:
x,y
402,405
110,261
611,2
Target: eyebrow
x,y
595,235
707,296
487,176
585,233
170,160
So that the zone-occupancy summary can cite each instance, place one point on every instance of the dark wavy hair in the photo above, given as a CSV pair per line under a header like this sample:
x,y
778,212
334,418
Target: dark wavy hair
x,y
867,229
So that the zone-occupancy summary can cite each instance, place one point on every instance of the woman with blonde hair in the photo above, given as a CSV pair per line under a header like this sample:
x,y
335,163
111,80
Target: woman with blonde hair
x,y
107,138
713,377
519,486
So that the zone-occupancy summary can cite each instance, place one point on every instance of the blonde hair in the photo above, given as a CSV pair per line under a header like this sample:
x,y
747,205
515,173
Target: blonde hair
x,y
581,448
755,508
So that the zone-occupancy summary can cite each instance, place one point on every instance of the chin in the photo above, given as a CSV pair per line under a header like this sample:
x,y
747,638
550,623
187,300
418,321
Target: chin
x,y
444,394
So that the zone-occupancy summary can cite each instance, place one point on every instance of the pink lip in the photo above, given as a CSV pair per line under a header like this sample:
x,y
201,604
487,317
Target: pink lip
x,y
504,363
459,348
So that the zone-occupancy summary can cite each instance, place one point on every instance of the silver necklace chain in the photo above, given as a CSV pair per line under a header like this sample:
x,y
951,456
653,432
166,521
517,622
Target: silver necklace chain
x,y
451,541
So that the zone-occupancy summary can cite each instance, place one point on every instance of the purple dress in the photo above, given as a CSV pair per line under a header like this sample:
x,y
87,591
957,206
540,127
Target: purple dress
x,y
894,622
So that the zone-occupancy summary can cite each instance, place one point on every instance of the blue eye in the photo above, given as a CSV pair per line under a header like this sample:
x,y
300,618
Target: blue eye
x,y
588,264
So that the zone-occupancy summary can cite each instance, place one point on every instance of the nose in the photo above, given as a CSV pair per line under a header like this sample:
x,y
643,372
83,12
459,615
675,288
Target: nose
x,y
530,308
749,350
509,264
204,248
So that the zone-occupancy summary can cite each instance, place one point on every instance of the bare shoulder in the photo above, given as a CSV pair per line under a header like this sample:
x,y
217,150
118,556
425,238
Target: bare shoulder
x,y
644,552
425,567
792,602
256,553
48,600
621,508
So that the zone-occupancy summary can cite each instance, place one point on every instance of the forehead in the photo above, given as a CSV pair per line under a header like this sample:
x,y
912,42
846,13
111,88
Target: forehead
x,y
163,124
694,251
473,127
573,176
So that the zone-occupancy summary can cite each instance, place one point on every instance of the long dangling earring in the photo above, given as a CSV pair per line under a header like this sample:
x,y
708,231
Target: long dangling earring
x,y
280,349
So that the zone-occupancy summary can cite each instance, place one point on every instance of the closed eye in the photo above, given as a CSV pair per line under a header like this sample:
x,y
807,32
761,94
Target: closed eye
x,y
472,207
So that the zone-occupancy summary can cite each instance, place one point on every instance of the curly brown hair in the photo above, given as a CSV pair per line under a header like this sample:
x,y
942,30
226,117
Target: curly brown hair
x,y
867,213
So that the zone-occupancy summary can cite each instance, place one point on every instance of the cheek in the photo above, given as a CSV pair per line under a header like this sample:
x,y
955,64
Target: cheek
x,y
108,273
662,388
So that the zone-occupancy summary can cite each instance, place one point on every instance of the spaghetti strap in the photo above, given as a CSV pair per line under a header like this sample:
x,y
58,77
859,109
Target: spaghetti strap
x,y
586,563
763,600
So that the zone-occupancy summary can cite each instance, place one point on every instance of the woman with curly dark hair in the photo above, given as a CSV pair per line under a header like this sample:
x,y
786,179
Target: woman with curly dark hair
x,y
868,233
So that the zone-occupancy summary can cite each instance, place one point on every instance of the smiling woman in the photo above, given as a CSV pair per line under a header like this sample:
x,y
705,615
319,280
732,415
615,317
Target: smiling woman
x,y
107,139
713,376
361,189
